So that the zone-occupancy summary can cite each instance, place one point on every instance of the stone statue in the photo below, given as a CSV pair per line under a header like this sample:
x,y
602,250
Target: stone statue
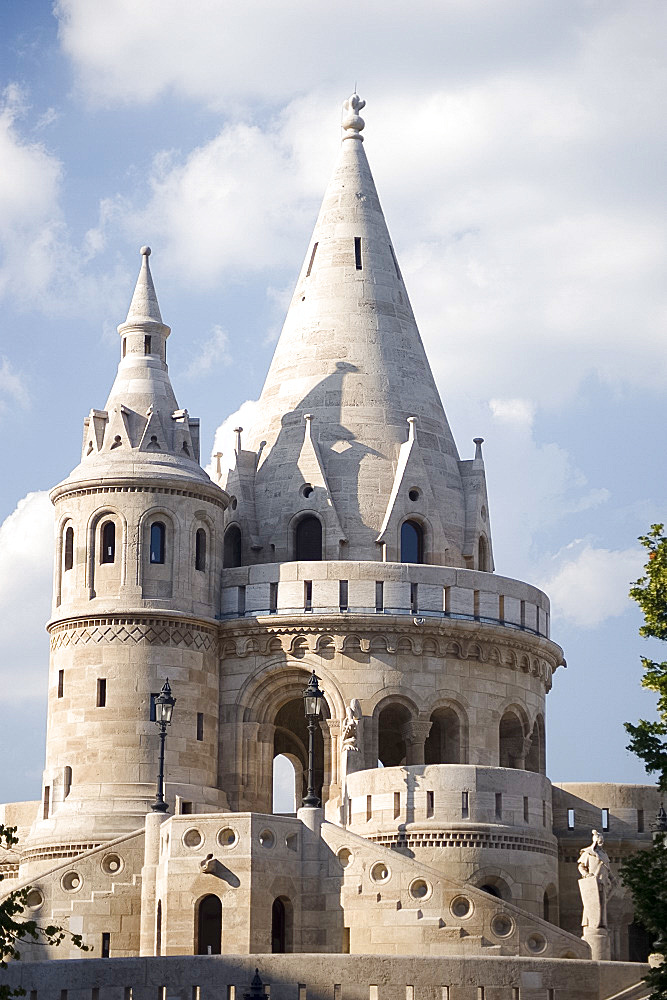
x,y
350,728
597,884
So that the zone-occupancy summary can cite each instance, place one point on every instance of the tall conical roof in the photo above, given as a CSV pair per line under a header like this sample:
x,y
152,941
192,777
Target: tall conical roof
x,y
350,355
141,431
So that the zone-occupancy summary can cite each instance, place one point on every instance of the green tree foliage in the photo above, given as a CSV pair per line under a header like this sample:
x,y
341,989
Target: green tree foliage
x,y
14,928
645,874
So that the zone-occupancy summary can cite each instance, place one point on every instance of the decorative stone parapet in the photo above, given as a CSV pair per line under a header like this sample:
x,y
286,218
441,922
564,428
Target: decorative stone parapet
x,y
383,588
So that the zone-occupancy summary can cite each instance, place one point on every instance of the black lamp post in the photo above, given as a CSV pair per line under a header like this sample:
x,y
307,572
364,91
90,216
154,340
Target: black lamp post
x,y
164,707
312,703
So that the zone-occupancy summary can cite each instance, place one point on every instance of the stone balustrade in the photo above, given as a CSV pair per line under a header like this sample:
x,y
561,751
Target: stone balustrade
x,y
333,587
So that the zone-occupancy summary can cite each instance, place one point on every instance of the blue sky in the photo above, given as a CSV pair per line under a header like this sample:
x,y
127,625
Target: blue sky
x,y
518,148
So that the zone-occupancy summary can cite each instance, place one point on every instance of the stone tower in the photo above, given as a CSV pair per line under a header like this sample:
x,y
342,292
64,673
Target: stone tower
x,y
136,588
357,544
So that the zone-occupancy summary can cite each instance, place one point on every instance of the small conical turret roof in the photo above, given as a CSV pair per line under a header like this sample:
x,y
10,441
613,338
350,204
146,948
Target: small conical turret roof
x,y
141,431
350,354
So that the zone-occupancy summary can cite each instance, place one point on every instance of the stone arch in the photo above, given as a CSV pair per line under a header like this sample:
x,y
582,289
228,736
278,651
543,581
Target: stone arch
x,y
156,578
393,716
112,574
512,730
257,696
208,925
494,882
305,538
535,758
447,741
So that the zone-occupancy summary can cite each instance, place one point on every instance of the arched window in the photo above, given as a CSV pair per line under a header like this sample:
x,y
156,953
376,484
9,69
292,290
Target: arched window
x,y
392,723
69,548
108,542
308,539
444,743
158,534
284,784
233,549
200,549
158,928
209,926
511,741
483,555
67,781
412,542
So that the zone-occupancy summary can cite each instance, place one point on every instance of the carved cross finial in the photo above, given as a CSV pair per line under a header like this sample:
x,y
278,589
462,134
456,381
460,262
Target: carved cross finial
x,y
353,123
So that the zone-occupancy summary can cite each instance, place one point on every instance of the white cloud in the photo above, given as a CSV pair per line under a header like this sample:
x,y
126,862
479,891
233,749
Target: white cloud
x,y
591,584
212,353
519,412
12,386
225,439
26,560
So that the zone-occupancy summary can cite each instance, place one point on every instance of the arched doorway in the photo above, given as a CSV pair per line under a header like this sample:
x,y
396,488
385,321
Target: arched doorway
x,y
392,750
281,925
291,740
412,542
308,539
232,547
209,926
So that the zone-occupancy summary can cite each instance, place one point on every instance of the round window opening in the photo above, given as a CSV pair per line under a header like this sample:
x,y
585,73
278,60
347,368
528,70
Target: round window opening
x,y
71,881
307,490
228,837
34,899
233,503
192,838
267,838
345,857
380,872
414,494
461,907
536,943
111,864
420,889
502,925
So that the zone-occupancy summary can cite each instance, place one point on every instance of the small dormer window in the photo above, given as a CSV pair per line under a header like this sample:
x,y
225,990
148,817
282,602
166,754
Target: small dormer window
x,y
157,542
147,344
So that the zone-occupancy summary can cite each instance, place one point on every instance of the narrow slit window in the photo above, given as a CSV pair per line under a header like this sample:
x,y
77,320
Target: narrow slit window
x,y
369,808
307,595
200,726
342,595
525,808
69,548
124,347
414,598
61,683
605,819
152,715
544,812
499,805
108,542
147,344
357,253
447,600
397,804
273,598
475,603
200,550
46,801
379,595
241,601
430,804
67,781
101,692
158,533
501,607
312,259
570,819
640,821
465,805
523,614
106,944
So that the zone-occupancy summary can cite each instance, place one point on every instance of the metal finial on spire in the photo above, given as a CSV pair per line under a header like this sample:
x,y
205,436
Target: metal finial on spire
x,y
478,442
145,251
353,124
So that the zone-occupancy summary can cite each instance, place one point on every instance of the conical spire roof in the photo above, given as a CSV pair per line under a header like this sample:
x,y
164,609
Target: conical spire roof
x,y
350,354
141,431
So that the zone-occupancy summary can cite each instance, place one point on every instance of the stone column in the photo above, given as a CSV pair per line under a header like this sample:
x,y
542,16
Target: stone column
x,y
331,734
415,733
153,823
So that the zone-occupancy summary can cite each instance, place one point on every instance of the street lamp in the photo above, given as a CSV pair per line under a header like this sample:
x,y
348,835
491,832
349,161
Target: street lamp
x,y
312,703
164,707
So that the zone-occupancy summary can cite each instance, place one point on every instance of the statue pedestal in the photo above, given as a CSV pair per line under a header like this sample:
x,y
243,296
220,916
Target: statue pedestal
x,y
598,940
